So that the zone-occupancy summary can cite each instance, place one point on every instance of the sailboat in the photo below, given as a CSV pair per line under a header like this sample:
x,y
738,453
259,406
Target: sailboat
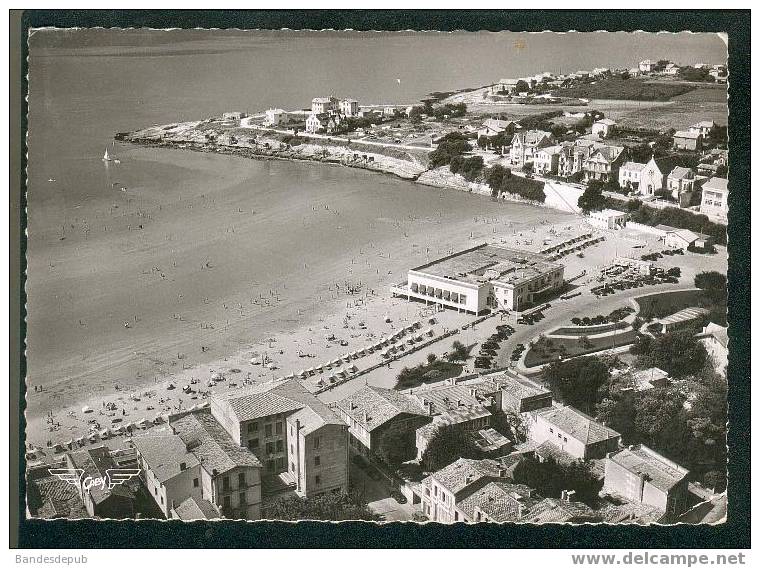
x,y
109,157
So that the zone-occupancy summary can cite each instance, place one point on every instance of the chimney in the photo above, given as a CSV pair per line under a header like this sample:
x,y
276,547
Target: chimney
x,y
366,417
459,402
502,472
353,405
469,479
182,466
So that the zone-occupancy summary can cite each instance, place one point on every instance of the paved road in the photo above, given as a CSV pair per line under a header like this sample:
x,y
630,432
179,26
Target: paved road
x,y
584,305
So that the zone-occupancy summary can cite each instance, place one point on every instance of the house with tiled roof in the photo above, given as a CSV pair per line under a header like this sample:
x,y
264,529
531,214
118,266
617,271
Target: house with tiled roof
x,y
49,497
497,502
687,140
572,431
446,488
703,127
383,420
300,441
563,510
100,500
492,127
638,474
170,472
516,393
194,509
525,146
230,476
680,182
574,155
604,163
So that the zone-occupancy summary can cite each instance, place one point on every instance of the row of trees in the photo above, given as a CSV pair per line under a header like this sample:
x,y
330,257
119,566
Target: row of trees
x,y
501,180
450,110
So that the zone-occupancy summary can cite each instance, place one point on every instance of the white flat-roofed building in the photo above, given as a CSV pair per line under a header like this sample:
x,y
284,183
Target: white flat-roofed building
x,y
484,277
715,197
608,219
276,117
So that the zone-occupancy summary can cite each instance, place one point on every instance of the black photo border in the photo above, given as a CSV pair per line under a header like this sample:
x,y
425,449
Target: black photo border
x,y
734,533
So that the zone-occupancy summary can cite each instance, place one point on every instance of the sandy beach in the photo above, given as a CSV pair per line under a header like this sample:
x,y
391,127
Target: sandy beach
x,y
205,257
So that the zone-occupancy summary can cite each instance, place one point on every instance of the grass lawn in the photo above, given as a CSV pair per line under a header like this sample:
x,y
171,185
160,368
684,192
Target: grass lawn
x,y
581,330
667,303
438,370
545,352
627,90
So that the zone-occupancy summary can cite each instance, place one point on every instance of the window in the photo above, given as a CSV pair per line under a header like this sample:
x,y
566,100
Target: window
x,y
278,428
462,299
225,482
253,444
241,479
227,502
435,490
317,480
241,498
316,442
270,448
316,460
270,465
195,482
280,445
267,430
253,427
291,449
162,499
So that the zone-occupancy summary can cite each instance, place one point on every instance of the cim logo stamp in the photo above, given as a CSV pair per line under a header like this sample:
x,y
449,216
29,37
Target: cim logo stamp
x,y
112,478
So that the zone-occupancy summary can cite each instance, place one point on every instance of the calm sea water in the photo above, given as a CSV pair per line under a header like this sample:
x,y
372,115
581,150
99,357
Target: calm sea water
x,y
89,269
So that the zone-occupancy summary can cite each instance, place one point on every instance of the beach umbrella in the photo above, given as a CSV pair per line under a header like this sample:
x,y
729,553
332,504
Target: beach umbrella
x,y
332,378
80,441
58,448
69,444
204,404
92,437
354,355
291,376
401,347
129,426
353,368
255,361
158,419
302,373
362,352
320,383
336,363
105,434
86,409
271,366
410,341
429,331
142,424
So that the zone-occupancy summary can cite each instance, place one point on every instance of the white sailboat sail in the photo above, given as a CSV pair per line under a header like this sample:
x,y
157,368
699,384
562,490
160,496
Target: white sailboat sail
x,y
106,156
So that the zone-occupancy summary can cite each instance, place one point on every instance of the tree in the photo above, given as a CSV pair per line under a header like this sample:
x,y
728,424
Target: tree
x,y
577,381
459,352
713,283
592,199
550,478
327,507
678,353
431,358
660,421
521,87
449,443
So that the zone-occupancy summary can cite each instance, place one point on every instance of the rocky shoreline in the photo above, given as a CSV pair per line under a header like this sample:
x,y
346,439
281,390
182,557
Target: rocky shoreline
x,y
348,156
